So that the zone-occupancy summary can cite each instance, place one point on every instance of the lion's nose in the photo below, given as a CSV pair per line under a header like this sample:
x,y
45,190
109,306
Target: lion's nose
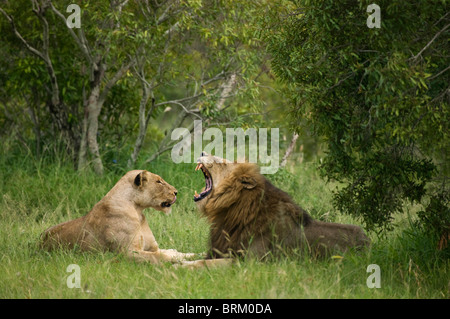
x,y
175,193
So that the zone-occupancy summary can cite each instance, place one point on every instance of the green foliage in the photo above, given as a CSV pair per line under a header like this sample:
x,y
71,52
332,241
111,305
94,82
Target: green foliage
x,y
378,97
39,193
176,48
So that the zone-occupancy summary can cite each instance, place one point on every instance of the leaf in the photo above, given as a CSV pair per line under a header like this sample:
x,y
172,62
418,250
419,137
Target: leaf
x,y
337,257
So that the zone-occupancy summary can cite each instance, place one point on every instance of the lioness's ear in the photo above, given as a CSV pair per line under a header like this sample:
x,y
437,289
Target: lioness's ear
x,y
248,182
140,179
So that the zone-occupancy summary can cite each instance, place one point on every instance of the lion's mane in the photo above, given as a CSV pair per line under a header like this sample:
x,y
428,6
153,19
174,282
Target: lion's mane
x,y
245,205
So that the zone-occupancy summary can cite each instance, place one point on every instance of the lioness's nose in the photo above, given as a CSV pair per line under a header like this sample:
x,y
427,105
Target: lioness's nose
x,y
175,193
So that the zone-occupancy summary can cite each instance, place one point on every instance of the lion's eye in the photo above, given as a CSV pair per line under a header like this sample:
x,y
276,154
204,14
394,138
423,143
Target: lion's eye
x,y
159,182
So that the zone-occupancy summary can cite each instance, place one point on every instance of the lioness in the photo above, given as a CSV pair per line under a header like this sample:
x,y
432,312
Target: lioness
x,y
249,215
116,223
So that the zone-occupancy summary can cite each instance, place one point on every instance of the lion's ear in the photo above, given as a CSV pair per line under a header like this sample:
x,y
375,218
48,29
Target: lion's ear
x,y
140,179
248,182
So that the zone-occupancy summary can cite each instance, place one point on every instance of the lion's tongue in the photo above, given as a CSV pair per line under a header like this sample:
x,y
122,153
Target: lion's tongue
x,y
208,181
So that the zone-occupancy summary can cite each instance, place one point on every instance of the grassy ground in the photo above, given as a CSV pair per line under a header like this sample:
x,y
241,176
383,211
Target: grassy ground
x,y
38,194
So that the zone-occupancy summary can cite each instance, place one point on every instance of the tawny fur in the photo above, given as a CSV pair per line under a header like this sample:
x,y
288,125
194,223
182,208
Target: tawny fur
x,y
117,223
249,215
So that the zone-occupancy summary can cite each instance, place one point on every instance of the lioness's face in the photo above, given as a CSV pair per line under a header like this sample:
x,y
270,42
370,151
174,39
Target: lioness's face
x,y
153,191
215,169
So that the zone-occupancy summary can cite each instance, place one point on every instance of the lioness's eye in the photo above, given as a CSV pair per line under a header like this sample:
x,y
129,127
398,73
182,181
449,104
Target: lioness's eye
x,y
159,182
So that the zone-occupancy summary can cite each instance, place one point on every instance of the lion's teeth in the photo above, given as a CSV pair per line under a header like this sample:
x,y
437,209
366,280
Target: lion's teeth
x,y
196,195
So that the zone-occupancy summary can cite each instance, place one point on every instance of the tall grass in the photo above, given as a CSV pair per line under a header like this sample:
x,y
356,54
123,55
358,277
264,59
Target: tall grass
x,y
39,193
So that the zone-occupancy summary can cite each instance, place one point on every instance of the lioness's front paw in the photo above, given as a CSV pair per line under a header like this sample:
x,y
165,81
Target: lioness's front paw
x,y
186,256
177,256
191,256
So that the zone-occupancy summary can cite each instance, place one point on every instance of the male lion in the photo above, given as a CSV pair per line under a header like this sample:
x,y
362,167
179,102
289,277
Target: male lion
x,y
116,223
249,215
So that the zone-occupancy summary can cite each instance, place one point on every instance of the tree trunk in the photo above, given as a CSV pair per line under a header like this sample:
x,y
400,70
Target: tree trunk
x,y
90,123
289,150
227,88
94,106
143,123
82,153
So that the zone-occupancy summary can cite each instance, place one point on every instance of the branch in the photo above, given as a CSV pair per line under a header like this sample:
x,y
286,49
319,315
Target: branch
x,y
164,148
19,36
149,113
119,9
81,40
226,89
289,150
441,95
349,75
159,152
164,16
142,78
180,100
436,75
119,74
431,41
39,11
172,28
177,102
440,19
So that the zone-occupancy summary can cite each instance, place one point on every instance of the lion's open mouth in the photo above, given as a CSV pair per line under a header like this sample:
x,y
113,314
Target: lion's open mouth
x,y
208,181
168,203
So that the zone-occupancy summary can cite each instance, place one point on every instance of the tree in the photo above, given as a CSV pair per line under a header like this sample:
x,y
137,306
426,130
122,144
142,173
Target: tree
x,y
211,54
379,97
14,85
124,64
161,57
105,58
99,52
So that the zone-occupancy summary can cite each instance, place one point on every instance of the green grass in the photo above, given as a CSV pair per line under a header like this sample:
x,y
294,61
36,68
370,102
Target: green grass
x,y
38,194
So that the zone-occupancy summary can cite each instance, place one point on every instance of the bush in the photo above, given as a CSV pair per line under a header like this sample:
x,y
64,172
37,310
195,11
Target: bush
x,y
378,97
